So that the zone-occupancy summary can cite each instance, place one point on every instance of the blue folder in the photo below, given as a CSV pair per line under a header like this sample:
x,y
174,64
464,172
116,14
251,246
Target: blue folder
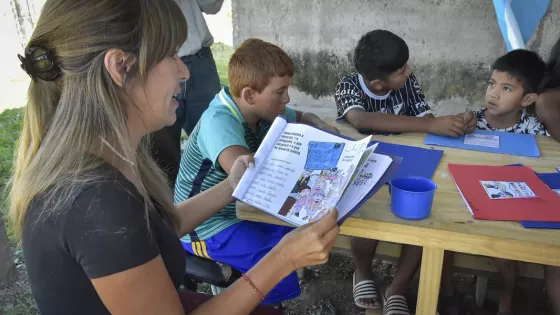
x,y
553,181
415,161
510,143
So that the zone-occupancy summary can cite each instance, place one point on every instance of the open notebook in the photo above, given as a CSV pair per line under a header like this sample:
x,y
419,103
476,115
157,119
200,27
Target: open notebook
x,y
301,172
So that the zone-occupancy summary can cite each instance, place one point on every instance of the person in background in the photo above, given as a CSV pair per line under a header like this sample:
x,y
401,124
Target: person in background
x,y
510,97
196,92
97,221
548,102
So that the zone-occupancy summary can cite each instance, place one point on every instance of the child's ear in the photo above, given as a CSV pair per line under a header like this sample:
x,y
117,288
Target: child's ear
x,y
528,99
248,95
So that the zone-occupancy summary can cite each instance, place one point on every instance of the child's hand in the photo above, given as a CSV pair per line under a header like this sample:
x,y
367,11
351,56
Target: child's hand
x,y
451,126
470,121
328,127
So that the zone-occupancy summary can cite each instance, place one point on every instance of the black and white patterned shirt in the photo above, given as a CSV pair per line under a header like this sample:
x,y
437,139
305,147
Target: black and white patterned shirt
x,y
352,92
527,124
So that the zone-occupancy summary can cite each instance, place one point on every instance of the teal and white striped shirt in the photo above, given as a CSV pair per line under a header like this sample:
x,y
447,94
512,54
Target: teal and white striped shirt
x,y
220,127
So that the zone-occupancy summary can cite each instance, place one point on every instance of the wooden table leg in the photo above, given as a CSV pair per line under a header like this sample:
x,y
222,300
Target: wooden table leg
x,y
430,278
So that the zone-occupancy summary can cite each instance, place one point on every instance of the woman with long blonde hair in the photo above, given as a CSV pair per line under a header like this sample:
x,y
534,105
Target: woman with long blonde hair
x,y
94,213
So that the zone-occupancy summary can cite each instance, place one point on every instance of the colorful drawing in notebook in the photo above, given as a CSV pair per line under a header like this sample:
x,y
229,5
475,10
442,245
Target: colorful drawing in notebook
x,y
301,171
505,193
506,190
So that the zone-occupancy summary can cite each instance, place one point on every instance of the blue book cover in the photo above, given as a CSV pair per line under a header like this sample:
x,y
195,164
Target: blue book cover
x,y
416,161
553,181
490,141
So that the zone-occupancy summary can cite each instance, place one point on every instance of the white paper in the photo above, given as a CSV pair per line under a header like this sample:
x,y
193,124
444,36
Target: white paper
x,y
371,171
262,152
507,190
309,166
462,196
490,141
557,191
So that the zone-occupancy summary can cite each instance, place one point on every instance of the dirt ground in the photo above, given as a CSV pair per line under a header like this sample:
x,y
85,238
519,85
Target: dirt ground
x,y
327,290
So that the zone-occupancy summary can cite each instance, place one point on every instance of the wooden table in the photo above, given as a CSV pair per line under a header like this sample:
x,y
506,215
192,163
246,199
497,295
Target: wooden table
x,y
450,225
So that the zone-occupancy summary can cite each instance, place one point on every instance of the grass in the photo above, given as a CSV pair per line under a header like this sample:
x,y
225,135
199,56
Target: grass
x,y
222,53
10,127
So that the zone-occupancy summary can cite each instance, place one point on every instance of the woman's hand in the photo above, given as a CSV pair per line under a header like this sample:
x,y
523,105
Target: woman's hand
x,y
309,244
238,169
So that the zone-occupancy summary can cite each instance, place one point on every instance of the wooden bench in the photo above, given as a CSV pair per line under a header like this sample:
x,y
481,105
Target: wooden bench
x,y
481,266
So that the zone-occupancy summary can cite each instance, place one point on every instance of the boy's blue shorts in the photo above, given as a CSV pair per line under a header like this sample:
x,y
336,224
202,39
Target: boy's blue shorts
x,y
241,246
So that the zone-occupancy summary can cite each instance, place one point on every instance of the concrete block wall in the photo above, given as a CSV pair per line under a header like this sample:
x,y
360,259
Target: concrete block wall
x,y
452,42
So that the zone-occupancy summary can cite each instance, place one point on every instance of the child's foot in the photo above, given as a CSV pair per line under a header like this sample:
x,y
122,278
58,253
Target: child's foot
x,y
505,303
365,291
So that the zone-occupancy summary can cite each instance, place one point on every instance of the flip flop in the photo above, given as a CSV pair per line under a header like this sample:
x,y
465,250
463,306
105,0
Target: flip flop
x,y
365,289
395,305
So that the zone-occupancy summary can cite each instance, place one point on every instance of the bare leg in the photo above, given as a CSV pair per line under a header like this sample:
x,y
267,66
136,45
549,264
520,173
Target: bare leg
x,y
508,271
408,264
446,281
364,250
548,111
552,276
448,303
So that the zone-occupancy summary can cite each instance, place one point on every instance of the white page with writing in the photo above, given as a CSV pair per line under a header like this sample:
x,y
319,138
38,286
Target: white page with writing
x,y
306,165
264,149
370,173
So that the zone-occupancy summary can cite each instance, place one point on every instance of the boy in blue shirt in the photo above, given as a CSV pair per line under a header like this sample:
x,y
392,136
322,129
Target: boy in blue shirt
x,y
235,124
512,91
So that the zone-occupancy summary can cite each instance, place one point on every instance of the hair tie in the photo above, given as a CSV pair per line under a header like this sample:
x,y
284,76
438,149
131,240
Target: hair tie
x,y
39,63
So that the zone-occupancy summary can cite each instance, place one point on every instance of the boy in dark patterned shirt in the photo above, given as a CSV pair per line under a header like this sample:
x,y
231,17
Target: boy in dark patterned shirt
x,y
511,94
385,97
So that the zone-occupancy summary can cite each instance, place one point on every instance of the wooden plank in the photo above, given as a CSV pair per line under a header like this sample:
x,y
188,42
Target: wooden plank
x,y
449,211
430,278
479,265
537,251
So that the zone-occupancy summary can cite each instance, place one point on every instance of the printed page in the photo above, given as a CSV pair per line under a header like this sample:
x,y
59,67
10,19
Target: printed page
x,y
490,141
263,151
365,179
507,190
304,174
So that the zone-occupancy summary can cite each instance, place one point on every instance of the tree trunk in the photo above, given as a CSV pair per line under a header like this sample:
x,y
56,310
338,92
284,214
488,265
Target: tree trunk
x,y
7,270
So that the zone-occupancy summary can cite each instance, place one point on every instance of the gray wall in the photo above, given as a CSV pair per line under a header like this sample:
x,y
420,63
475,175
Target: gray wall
x,y
452,42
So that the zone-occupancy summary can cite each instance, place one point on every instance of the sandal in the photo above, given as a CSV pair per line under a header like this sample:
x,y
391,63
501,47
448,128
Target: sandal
x,y
395,305
365,289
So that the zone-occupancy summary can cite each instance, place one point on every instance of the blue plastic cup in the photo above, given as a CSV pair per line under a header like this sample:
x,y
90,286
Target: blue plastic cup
x,y
412,197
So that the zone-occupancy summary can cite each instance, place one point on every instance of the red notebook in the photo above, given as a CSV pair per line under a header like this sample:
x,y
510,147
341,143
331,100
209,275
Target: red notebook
x,y
505,193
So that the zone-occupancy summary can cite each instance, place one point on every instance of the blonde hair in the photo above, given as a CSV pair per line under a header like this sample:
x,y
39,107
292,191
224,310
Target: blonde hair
x,y
254,63
64,118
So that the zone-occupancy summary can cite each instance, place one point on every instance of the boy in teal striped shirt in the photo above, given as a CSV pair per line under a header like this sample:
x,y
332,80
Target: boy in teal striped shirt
x,y
234,124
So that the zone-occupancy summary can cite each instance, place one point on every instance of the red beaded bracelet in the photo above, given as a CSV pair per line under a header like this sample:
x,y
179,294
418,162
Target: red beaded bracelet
x,y
253,286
